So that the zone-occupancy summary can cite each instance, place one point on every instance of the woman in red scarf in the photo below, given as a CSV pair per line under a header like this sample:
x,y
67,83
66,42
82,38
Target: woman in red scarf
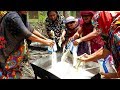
x,y
87,31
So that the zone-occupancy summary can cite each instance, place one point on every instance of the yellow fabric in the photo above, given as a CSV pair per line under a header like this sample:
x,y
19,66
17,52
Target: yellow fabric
x,y
117,22
2,13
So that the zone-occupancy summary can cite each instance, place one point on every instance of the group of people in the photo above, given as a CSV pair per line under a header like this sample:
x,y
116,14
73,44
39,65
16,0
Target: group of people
x,y
96,33
106,23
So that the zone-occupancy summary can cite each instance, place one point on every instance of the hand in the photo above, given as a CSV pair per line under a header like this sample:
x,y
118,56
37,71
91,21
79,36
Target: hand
x,y
77,41
50,42
76,36
109,75
71,38
84,57
62,38
51,34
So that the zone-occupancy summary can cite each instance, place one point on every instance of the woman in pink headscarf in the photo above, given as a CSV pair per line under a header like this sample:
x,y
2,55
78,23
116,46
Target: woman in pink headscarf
x,y
87,31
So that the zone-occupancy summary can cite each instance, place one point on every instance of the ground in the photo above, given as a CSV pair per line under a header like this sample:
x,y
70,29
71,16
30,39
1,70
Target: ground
x,y
37,52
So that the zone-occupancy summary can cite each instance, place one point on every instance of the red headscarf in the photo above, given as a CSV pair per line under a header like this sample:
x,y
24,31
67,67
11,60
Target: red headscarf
x,y
91,13
104,20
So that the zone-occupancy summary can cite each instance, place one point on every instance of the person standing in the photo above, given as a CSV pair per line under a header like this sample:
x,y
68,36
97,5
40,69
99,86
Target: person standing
x,y
54,24
14,49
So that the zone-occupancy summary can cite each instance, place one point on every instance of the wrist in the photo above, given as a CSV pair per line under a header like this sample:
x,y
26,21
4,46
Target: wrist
x,y
81,39
45,38
90,58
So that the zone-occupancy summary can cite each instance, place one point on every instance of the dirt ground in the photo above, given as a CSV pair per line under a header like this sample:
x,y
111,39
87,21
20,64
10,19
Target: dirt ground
x,y
37,51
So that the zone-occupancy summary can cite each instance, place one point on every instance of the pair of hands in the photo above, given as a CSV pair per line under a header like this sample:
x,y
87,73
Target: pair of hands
x,y
84,58
62,38
75,42
50,42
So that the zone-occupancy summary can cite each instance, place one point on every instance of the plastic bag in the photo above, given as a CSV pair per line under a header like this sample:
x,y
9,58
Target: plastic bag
x,y
52,49
107,65
75,48
60,42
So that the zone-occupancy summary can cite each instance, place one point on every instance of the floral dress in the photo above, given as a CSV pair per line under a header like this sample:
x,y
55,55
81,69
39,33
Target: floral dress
x,y
13,65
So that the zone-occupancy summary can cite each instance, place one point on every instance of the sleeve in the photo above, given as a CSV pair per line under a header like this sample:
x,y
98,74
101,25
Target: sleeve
x,y
20,25
30,28
117,41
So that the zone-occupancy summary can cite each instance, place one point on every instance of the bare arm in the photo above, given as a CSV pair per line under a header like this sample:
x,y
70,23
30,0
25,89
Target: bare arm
x,y
35,38
63,33
101,53
87,37
27,34
39,34
77,34
90,35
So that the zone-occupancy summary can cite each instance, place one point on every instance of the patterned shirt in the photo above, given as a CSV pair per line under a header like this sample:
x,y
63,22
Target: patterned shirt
x,y
113,45
111,36
15,29
57,26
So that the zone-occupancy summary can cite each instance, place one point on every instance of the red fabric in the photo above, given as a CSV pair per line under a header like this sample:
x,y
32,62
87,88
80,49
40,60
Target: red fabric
x,y
86,28
91,13
104,21
96,42
117,14
71,33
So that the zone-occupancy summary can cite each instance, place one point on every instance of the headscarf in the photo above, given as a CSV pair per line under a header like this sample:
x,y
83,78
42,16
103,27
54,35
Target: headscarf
x,y
91,13
87,27
102,21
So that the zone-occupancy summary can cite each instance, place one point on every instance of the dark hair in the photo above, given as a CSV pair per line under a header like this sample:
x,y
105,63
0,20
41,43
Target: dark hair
x,y
51,11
